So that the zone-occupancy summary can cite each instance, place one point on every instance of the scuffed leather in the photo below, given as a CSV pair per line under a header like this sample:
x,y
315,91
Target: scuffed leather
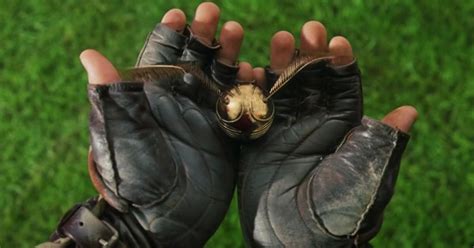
x,y
160,157
130,231
296,187
225,75
197,51
166,46
162,46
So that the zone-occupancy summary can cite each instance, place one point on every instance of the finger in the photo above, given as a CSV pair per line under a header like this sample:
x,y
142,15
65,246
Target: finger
x,y
313,38
99,69
402,118
341,48
282,51
230,39
245,73
259,76
175,19
204,25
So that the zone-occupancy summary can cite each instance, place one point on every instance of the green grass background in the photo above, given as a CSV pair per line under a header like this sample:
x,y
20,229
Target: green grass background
x,y
410,52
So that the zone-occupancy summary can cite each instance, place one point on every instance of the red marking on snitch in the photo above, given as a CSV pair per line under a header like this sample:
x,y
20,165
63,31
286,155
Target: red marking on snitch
x,y
244,124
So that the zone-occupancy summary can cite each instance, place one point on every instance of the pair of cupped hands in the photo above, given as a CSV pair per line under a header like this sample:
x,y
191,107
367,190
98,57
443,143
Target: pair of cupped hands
x,y
313,41
161,157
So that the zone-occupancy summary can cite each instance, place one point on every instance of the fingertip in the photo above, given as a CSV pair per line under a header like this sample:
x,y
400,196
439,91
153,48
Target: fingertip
x,y
313,26
210,7
341,48
205,21
99,69
231,37
409,109
207,12
282,50
87,53
339,45
233,28
174,19
340,40
245,72
402,118
283,39
313,38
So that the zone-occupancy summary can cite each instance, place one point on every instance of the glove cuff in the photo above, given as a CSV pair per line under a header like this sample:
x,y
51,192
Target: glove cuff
x,y
225,75
270,76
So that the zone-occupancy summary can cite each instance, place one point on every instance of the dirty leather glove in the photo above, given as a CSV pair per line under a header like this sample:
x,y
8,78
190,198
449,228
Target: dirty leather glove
x,y
322,175
159,159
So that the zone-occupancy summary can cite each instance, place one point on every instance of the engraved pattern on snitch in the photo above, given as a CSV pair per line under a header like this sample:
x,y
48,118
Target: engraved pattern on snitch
x,y
244,111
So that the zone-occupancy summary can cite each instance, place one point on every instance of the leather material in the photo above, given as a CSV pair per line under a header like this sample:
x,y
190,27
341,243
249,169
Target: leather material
x,y
198,52
225,75
129,232
163,45
166,46
158,155
89,231
296,187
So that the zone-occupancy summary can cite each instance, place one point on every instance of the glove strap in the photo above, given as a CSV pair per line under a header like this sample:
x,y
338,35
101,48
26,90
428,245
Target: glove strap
x,y
82,227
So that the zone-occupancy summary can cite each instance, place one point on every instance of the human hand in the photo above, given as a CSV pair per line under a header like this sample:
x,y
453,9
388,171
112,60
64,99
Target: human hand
x,y
157,152
320,177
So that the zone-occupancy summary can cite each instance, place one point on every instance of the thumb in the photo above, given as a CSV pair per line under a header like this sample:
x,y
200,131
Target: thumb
x,y
401,118
99,69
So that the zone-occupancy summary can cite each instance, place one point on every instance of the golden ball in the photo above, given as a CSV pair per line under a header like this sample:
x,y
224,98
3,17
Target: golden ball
x,y
243,111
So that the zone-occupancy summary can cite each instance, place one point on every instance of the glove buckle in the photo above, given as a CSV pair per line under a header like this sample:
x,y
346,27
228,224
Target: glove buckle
x,y
112,240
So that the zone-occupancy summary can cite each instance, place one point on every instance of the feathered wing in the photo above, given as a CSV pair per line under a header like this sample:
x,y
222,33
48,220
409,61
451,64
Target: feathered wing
x,y
158,72
296,66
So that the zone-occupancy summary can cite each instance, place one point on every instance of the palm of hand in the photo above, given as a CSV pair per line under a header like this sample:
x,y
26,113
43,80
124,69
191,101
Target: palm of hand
x,y
314,113
157,149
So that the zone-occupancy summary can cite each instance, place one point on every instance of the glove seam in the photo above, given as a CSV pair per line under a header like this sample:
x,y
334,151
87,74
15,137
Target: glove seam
x,y
142,51
110,149
374,194
319,222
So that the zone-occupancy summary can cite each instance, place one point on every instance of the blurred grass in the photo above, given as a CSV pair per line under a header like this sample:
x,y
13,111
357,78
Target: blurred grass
x,y
410,52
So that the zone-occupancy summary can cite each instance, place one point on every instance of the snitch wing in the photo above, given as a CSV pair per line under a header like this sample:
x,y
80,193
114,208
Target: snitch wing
x,y
299,64
158,72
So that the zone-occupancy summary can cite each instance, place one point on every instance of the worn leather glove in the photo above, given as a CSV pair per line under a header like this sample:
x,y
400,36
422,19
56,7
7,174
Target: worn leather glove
x,y
159,159
322,175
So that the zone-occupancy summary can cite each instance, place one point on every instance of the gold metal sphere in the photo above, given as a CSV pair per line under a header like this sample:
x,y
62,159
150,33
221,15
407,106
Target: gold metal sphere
x,y
244,112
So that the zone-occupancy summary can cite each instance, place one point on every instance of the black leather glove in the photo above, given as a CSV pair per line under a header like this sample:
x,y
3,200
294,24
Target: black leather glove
x,y
320,177
159,159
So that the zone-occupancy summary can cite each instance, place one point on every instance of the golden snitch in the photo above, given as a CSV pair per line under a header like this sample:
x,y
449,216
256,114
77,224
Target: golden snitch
x,y
244,111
